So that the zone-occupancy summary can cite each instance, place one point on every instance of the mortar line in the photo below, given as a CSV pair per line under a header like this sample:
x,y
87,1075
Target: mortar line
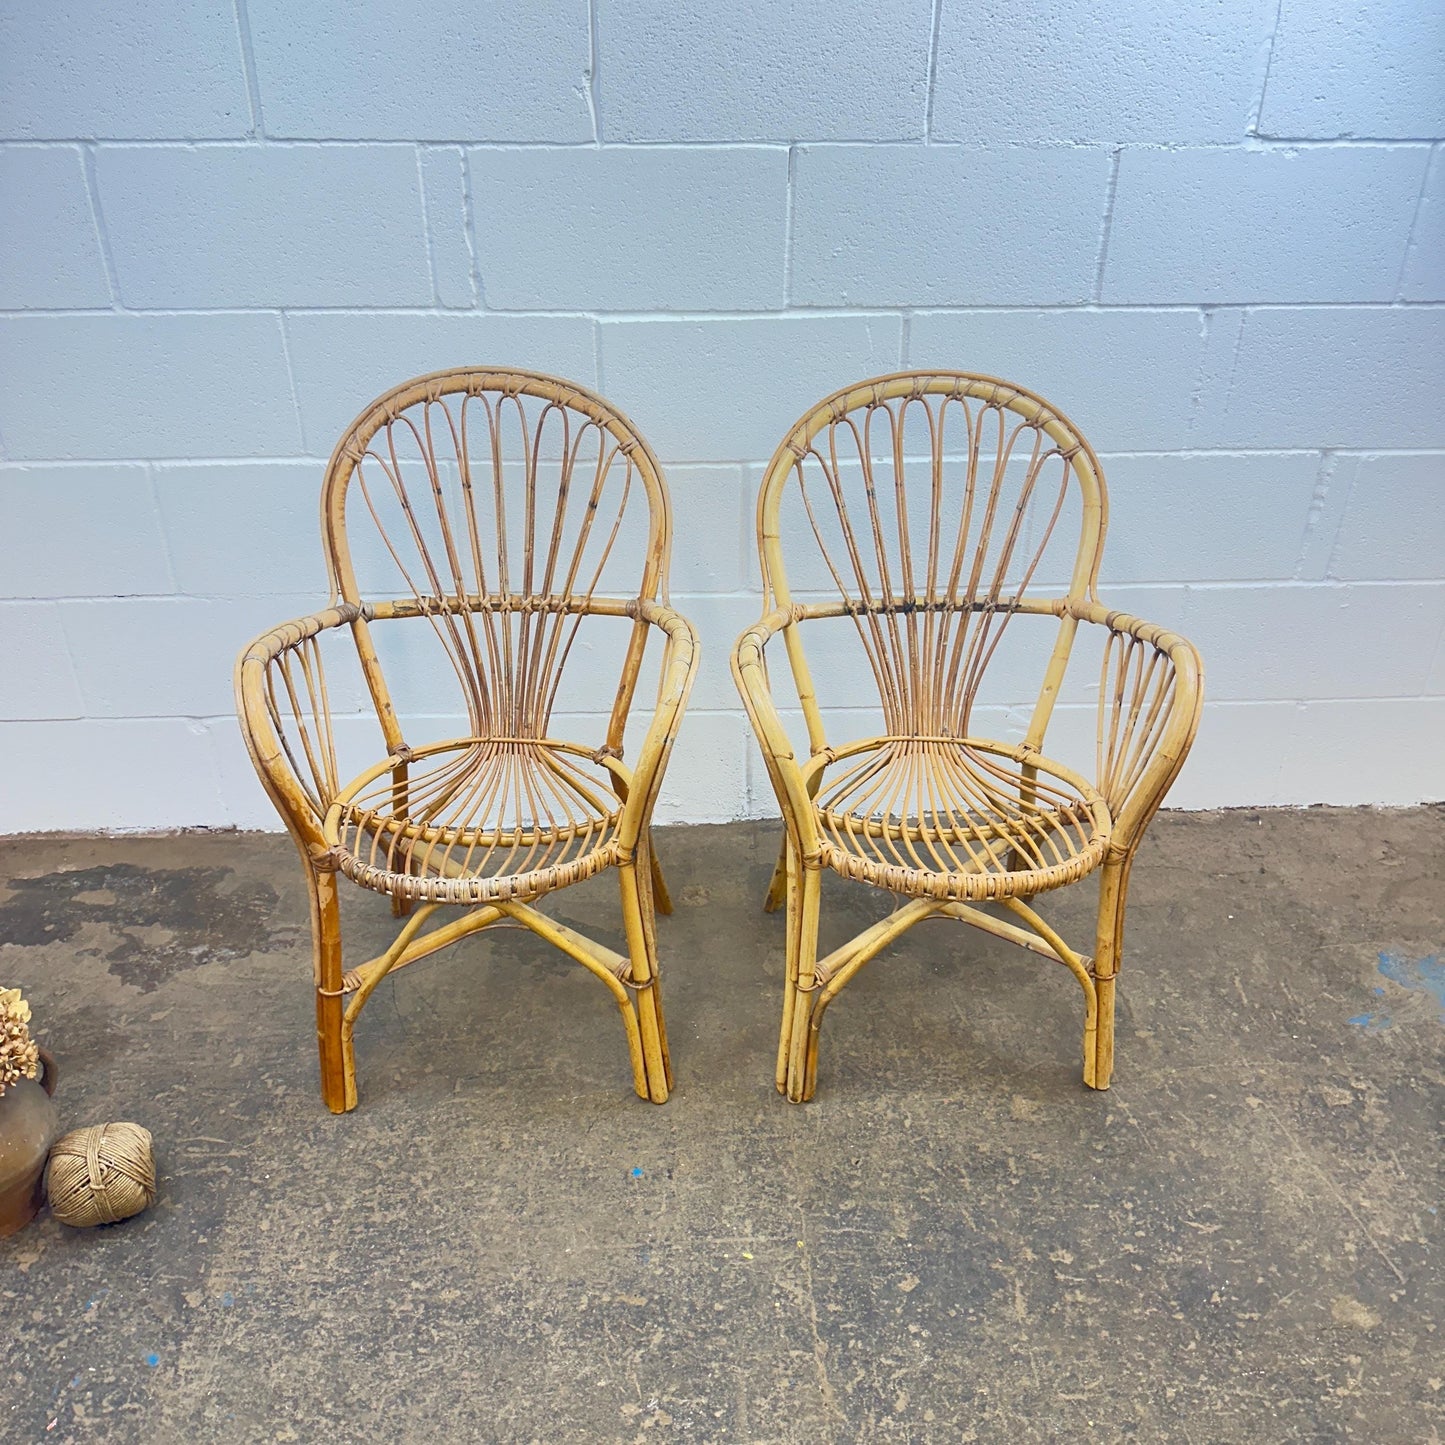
x,y
248,68
1107,228
469,225
932,71
426,230
1430,159
167,551
1324,479
1251,127
291,379
795,311
92,187
788,227
594,104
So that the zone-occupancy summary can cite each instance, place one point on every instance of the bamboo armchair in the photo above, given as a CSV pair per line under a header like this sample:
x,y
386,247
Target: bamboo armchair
x,y
933,499
489,509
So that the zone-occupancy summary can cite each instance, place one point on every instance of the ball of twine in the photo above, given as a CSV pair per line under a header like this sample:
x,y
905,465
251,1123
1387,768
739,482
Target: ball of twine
x,y
101,1174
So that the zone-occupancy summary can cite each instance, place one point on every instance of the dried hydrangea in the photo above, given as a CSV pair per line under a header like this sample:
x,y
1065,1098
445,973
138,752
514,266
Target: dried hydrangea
x,y
19,1058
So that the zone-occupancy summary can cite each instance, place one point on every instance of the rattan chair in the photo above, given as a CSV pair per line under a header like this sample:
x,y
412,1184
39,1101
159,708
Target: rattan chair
x,y
936,504
489,511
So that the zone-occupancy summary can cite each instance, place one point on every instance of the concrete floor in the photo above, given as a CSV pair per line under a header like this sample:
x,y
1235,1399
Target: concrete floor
x,y
956,1241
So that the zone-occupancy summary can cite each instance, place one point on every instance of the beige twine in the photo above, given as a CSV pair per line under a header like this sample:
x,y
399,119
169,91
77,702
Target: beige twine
x,y
101,1174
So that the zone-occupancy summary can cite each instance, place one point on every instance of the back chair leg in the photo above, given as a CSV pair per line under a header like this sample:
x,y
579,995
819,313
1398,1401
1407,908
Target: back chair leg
x,y
338,1071
1109,941
661,898
777,892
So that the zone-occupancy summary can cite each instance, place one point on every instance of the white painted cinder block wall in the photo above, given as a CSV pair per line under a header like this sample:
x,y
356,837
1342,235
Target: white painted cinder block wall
x,y
1212,233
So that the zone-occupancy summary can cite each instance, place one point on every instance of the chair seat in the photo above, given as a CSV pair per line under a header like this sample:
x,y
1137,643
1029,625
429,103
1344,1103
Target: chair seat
x,y
477,820
969,818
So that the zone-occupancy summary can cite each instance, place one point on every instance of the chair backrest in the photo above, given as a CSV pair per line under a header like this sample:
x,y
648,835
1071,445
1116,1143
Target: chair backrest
x,y
501,506
932,500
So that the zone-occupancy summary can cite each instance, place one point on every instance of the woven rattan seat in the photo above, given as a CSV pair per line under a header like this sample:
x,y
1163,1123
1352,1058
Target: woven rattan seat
x,y
496,515
968,819
925,508
447,848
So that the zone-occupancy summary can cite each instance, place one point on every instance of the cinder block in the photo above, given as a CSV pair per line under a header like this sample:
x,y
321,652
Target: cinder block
x,y
453,72
707,774
1237,756
630,229
712,514
1340,68
1315,641
76,70
244,803
1385,753
342,362
720,622
1393,526
297,225
1359,376
1424,278
1254,225
1077,74
169,657
88,775
1207,518
49,250
80,531
444,187
763,72
1126,378
246,528
945,225
730,390
144,386
35,663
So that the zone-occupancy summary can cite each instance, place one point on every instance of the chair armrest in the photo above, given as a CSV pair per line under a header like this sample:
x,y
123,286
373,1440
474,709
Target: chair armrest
x,y
679,667
285,718
751,676
1151,690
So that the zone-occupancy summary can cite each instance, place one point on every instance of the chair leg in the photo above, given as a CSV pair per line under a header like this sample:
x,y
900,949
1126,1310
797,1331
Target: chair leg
x,y
799,997
778,886
338,1071
651,906
642,949
661,898
1109,940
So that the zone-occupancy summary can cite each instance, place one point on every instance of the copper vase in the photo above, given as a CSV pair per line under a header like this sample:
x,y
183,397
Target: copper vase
x,y
29,1125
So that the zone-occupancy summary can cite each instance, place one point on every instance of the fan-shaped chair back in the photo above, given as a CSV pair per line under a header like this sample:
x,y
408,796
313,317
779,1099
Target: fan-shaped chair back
x,y
932,499
497,504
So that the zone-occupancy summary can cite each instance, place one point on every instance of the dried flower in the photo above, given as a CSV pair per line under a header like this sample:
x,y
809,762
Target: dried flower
x,y
19,1058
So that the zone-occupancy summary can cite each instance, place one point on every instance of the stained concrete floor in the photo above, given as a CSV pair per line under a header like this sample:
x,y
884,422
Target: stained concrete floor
x,y
956,1241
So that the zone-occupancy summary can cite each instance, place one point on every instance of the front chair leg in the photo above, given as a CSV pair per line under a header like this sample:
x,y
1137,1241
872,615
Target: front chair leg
x,y
1109,941
642,950
799,1039
338,1074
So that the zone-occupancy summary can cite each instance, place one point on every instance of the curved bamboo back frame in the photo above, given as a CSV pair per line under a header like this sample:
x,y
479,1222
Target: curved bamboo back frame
x,y
504,594
931,601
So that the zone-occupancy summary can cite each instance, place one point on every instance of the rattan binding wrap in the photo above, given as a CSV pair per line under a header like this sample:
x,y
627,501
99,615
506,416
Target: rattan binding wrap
x,y
933,500
499,507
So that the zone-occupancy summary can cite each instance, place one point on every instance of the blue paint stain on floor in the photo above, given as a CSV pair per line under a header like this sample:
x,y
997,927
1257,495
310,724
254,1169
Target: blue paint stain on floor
x,y
1417,975
1420,975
